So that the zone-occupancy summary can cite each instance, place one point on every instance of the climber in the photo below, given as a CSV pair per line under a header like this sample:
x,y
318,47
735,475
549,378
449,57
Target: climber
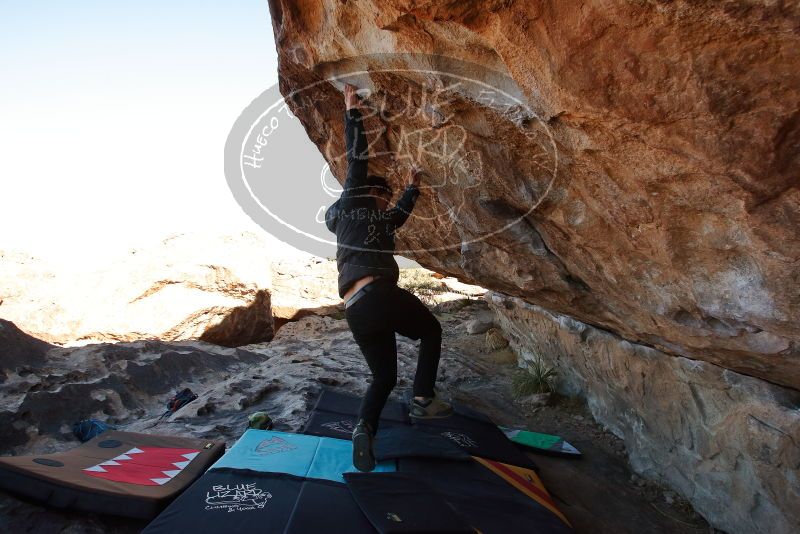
x,y
375,307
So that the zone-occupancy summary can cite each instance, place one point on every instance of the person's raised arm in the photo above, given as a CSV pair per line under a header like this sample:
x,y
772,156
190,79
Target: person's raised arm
x,y
402,210
357,147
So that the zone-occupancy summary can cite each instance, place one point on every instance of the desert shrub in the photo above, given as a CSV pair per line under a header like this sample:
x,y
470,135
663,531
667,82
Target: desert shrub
x,y
495,340
537,378
421,282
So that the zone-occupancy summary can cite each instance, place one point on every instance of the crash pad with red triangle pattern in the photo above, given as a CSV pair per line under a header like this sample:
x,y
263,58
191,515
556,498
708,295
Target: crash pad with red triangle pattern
x,y
120,473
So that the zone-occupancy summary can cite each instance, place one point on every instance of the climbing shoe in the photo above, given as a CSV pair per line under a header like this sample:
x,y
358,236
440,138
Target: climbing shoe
x,y
363,457
432,408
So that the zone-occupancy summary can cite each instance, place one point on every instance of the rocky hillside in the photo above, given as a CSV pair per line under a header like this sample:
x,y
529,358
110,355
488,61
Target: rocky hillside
x,y
188,286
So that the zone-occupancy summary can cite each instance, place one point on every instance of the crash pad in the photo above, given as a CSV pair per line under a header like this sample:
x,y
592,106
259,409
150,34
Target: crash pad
x,y
410,442
493,497
295,454
541,443
226,500
399,503
119,473
476,436
335,415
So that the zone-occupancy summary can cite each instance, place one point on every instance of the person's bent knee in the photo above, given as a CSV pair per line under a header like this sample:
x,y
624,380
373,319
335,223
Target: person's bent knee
x,y
391,383
385,384
434,330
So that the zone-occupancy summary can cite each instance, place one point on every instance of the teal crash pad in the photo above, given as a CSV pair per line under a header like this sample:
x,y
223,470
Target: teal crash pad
x,y
295,454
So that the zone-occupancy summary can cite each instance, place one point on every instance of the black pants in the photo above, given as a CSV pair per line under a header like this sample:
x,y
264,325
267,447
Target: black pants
x,y
374,319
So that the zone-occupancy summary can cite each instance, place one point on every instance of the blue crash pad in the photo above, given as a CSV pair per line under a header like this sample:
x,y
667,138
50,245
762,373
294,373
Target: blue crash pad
x,y
294,454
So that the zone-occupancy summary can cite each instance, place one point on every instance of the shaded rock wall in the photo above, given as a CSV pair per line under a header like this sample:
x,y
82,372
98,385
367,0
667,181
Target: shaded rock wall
x,y
244,325
728,443
18,349
674,213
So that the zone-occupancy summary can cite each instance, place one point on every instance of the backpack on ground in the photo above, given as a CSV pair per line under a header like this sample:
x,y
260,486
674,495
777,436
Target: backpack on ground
x,y
181,399
86,429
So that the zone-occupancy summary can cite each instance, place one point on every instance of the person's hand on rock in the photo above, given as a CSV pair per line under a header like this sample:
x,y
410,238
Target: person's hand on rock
x,y
350,96
415,176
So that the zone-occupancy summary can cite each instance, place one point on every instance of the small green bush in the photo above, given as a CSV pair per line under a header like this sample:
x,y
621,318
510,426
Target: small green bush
x,y
537,378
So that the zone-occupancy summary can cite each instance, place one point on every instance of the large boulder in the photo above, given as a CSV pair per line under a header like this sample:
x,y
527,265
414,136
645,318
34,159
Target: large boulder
x,y
659,143
627,168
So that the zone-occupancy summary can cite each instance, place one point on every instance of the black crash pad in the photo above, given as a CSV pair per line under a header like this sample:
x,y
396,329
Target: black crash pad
x,y
397,503
335,414
227,500
492,497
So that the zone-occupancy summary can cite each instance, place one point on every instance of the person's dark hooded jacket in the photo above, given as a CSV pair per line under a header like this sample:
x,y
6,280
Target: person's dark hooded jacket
x,y
364,234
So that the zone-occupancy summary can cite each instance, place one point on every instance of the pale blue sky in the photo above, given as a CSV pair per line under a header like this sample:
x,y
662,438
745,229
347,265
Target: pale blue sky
x,y
113,118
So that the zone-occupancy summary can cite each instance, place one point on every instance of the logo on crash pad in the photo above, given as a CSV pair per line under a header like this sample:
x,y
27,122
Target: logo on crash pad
x,y
144,466
274,446
345,426
237,497
462,440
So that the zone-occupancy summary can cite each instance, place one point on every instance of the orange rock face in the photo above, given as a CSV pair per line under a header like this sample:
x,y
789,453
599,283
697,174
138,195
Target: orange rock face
x,y
657,142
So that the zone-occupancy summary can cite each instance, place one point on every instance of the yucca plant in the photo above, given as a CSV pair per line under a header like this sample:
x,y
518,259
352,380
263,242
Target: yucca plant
x,y
537,378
